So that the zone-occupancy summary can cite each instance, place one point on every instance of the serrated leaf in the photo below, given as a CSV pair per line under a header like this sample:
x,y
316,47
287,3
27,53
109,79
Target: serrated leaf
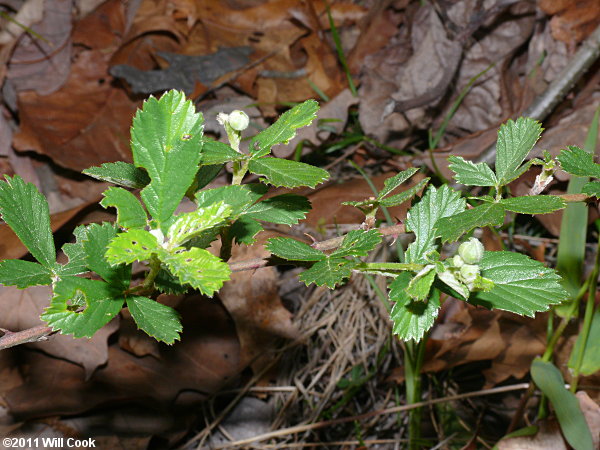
x,y
157,320
578,162
293,250
471,174
215,152
168,283
284,128
411,319
452,228
328,272
286,209
75,252
133,245
205,175
566,406
26,212
100,303
592,189
533,204
420,284
121,173
189,225
393,182
449,284
22,274
239,197
166,140
244,230
130,213
521,285
281,172
423,217
97,239
515,140
402,197
358,243
199,268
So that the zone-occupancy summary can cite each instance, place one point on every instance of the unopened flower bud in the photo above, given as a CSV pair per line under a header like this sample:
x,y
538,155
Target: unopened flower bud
x,y
457,261
469,272
471,251
239,120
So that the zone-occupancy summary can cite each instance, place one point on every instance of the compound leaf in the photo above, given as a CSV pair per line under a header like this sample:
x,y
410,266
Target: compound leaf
x,y
533,204
133,245
284,128
578,162
521,285
155,319
515,141
97,238
215,152
453,227
121,173
293,250
130,213
471,174
22,274
358,243
26,212
328,272
281,172
286,209
189,225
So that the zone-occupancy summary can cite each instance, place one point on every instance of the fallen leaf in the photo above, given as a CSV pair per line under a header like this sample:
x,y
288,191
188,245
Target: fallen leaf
x,y
573,20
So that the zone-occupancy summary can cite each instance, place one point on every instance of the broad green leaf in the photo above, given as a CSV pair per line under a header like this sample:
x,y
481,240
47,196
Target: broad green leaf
x,y
420,284
328,272
133,245
288,248
286,209
566,406
452,228
393,182
97,239
157,320
284,129
22,274
81,306
404,196
471,174
197,267
411,319
166,140
423,217
244,230
592,189
130,213
239,197
26,212
205,175
215,152
121,173
591,357
533,204
76,253
578,162
189,225
515,140
521,285
358,243
281,172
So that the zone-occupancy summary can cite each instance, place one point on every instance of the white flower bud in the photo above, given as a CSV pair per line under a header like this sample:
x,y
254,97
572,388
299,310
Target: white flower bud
x,y
239,120
471,251
469,272
457,261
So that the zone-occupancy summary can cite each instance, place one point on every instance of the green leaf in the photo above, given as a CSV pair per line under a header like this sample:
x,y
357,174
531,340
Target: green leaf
x,y
244,230
291,249
22,274
411,319
358,243
166,140
130,213
515,141
157,320
239,197
286,209
189,225
521,285
328,272
592,189
205,175
423,217
393,182
281,172
420,285
76,253
471,174
133,245
452,228
168,283
591,357
26,212
404,196
100,303
121,173
566,406
533,204
197,267
284,129
215,152
578,162
97,239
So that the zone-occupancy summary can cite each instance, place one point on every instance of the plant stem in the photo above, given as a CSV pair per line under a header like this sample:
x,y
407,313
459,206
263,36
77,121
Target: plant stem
x,y
239,171
226,243
414,353
154,264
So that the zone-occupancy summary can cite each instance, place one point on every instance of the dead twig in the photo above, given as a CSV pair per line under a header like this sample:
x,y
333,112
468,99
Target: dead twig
x,y
14,338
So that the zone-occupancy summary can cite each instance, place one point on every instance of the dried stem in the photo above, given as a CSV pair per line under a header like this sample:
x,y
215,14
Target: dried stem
x,y
14,338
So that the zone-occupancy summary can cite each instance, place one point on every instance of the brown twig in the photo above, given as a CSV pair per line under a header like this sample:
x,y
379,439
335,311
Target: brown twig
x,y
35,334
